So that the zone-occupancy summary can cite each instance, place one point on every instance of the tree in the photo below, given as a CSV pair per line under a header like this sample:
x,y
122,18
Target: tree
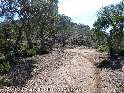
x,y
33,19
112,16
70,33
63,29
45,21
98,38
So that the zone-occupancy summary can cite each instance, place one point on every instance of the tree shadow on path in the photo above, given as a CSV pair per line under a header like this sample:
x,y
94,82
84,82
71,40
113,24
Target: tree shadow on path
x,y
21,73
111,63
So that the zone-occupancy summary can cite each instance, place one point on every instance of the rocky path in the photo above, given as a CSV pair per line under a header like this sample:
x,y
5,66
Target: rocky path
x,y
75,75
70,71
88,57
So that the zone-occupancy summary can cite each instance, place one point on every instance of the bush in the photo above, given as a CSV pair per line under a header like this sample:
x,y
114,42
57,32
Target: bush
x,y
103,48
10,57
121,51
103,64
4,82
4,66
2,45
30,52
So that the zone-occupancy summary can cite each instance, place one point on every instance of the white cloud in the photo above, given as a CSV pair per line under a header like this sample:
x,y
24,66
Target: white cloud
x,y
83,11
78,7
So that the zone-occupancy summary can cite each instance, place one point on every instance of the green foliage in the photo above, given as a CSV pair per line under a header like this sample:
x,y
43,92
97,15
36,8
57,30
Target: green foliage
x,y
4,82
112,16
121,51
25,51
118,18
3,43
10,57
102,22
4,67
30,52
103,48
69,33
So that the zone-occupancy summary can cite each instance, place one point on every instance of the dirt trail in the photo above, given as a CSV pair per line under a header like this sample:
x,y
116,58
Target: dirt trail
x,y
90,73
76,75
72,72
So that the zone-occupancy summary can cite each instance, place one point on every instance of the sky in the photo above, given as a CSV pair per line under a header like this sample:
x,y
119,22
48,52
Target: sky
x,y
83,11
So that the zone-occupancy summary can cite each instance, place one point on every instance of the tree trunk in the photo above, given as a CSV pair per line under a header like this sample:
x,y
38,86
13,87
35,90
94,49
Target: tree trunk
x,y
28,35
18,38
110,44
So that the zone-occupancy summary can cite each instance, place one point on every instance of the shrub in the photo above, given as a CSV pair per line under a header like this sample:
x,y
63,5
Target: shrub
x,y
4,82
103,48
2,45
121,51
30,52
4,66
103,64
